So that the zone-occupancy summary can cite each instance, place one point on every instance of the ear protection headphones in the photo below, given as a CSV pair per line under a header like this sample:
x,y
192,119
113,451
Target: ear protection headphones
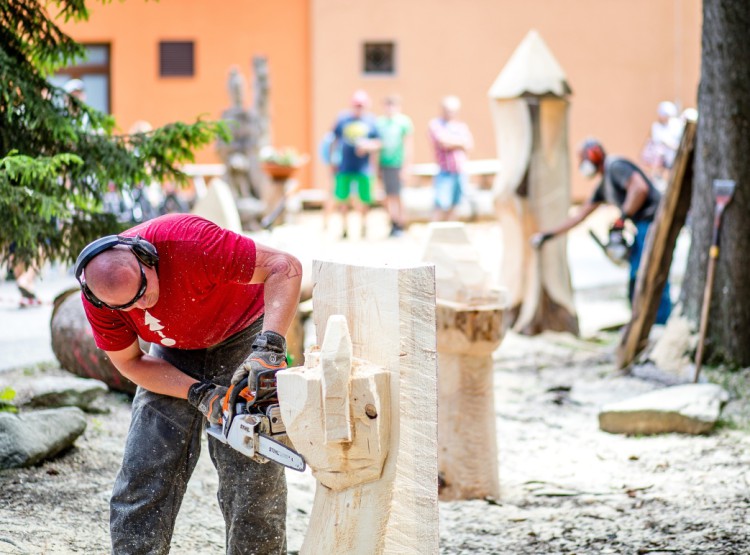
x,y
142,249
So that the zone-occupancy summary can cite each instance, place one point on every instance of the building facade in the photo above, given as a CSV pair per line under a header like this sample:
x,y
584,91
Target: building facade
x,y
621,57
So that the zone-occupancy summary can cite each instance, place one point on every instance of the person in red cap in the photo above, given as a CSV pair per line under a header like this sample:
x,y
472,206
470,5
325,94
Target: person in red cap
x,y
622,184
356,133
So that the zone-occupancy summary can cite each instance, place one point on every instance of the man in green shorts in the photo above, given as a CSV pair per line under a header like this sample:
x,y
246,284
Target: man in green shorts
x,y
356,133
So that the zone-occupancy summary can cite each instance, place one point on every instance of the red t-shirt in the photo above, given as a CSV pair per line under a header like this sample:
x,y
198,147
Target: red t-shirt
x,y
204,291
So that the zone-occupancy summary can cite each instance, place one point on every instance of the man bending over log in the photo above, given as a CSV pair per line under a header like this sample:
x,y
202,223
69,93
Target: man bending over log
x,y
207,300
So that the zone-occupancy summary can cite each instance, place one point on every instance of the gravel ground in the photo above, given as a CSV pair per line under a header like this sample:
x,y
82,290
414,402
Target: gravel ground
x,y
566,486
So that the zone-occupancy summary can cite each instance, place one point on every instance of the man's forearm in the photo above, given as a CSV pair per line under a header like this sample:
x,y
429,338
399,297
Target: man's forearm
x,y
154,374
281,294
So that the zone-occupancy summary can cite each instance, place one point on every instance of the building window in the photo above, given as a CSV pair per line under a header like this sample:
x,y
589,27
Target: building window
x,y
94,70
379,58
176,59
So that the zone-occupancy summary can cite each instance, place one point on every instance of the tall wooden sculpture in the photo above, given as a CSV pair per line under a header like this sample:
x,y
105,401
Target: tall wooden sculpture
x,y
363,411
470,327
241,154
532,190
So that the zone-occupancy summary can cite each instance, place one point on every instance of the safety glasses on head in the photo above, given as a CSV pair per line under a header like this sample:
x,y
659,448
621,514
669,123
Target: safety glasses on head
x,y
144,252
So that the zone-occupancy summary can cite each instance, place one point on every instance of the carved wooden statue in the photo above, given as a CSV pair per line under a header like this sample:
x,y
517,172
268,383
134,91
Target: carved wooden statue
x,y
241,153
363,411
532,190
470,328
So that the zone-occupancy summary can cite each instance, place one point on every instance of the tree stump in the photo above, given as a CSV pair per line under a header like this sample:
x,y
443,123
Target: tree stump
x,y
391,411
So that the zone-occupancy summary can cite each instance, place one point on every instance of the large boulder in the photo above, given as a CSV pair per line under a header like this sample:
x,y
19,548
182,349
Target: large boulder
x,y
688,409
31,437
60,391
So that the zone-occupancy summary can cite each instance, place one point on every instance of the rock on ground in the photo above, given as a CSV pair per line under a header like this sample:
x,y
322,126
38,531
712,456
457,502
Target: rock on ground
x,y
59,391
30,437
686,409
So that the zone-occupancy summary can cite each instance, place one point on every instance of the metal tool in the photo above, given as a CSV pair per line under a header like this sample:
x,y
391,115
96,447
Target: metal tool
x,y
617,248
723,191
252,423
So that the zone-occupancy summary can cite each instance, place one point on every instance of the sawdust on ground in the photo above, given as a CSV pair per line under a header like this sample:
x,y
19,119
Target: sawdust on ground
x,y
566,486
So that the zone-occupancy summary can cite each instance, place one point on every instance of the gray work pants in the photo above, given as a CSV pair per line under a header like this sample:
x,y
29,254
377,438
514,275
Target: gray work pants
x,y
161,451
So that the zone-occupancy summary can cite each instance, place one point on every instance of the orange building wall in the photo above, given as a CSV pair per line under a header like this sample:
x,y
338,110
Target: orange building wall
x,y
622,57
226,33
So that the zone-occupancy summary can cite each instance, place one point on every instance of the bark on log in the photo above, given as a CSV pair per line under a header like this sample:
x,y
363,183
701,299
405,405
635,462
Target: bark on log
x,y
74,347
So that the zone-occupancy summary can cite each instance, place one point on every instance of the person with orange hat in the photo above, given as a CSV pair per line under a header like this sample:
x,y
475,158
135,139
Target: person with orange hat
x,y
624,185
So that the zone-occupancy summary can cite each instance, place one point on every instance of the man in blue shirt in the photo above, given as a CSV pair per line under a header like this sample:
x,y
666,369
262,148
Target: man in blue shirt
x,y
357,135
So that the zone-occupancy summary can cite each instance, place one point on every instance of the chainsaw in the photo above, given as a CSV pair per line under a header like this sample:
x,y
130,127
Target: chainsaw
x,y
252,423
617,248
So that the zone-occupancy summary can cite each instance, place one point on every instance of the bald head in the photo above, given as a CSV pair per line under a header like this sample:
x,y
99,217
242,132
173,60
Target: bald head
x,y
114,275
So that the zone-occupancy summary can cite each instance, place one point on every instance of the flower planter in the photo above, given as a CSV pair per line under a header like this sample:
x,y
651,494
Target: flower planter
x,y
277,171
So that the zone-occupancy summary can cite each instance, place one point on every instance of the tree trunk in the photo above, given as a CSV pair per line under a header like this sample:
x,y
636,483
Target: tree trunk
x,y
722,153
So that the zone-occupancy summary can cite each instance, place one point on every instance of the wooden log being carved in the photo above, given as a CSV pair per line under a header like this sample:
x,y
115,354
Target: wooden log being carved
x,y
470,327
350,398
375,454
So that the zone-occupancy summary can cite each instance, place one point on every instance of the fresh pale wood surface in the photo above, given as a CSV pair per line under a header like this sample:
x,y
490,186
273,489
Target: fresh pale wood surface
x,y
391,316
467,457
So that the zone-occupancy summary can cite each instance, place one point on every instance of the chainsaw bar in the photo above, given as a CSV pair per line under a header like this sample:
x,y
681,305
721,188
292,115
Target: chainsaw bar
x,y
280,453
250,427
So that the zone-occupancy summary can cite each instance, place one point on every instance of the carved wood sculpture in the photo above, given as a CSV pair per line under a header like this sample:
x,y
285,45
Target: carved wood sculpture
x,y
532,188
470,328
386,364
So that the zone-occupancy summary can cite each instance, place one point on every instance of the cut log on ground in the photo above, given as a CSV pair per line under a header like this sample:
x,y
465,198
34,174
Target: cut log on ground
x,y
391,319
74,347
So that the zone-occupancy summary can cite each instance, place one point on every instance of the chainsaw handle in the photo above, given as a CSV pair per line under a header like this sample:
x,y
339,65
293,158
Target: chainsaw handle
x,y
232,395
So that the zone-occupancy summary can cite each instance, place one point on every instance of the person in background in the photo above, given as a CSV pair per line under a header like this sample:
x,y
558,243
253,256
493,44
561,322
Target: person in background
x,y
215,307
397,135
357,135
452,140
661,147
624,185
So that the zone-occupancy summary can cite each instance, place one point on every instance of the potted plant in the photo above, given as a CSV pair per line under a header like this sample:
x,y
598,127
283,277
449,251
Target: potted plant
x,y
281,163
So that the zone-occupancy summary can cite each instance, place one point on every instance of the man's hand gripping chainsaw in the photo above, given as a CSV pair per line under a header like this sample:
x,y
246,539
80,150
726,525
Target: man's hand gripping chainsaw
x,y
252,422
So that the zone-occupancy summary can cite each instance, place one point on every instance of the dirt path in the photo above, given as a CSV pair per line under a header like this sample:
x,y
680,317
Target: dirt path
x,y
566,486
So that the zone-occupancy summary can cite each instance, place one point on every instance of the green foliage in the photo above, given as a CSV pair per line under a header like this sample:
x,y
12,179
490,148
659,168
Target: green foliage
x,y
59,156
6,396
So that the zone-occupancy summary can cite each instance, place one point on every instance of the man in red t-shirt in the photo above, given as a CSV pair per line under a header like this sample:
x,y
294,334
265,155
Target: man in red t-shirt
x,y
214,305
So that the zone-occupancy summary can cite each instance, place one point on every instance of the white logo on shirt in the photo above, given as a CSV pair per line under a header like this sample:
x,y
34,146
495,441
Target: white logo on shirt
x,y
155,325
